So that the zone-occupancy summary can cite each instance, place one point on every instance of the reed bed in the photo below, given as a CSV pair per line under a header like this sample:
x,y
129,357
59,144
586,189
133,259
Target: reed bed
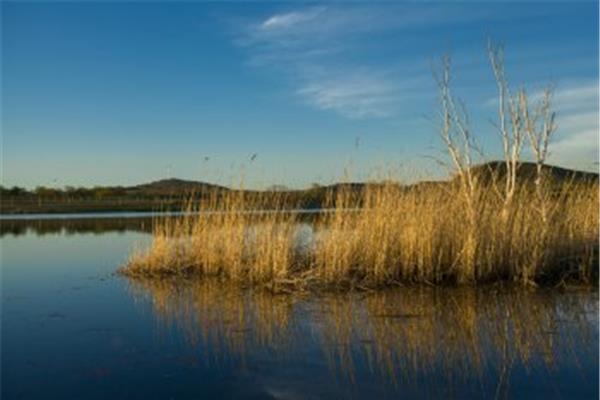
x,y
384,234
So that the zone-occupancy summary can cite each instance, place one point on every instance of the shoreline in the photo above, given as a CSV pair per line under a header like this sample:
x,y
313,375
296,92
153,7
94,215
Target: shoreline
x,y
300,288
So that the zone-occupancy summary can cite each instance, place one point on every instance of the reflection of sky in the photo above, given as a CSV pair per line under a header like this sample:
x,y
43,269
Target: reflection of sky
x,y
71,329
62,313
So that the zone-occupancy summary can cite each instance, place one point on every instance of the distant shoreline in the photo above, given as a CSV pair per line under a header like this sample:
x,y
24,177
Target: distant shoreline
x,y
93,211
173,195
143,214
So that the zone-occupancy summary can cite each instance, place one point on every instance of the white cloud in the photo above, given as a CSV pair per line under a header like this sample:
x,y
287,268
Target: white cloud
x,y
567,96
288,20
359,93
575,143
578,94
316,50
350,97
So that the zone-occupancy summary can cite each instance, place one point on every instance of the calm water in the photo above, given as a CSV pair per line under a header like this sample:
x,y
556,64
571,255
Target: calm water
x,y
72,329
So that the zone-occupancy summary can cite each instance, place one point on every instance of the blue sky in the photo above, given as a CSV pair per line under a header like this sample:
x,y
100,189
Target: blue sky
x,y
123,93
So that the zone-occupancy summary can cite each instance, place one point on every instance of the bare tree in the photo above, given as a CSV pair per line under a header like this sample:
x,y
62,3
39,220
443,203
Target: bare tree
x,y
510,124
540,125
518,122
455,128
456,134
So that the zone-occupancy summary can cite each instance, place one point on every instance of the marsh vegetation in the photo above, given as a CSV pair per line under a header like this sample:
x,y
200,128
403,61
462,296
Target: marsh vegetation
x,y
384,235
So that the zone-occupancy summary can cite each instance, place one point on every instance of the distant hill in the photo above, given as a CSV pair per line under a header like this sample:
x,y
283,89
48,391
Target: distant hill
x,y
173,186
528,171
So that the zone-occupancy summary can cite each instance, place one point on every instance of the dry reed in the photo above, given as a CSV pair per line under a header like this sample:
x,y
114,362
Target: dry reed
x,y
384,234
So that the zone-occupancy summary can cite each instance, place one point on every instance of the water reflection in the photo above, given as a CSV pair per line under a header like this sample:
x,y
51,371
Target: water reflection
x,y
433,340
112,222
73,226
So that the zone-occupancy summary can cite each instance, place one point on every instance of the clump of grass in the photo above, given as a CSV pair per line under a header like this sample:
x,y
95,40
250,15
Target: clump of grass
x,y
223,236
385,234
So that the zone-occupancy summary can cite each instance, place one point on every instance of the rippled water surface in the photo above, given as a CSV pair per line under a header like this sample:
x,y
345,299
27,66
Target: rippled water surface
x,y
73,329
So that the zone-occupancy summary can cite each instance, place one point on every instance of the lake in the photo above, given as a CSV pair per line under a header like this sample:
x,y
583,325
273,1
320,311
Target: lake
x,y
71,328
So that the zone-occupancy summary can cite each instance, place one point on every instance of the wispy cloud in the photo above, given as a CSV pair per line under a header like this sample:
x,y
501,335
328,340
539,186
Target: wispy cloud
x,y
288,20
354,97
360,92
577,97
576,141
316,49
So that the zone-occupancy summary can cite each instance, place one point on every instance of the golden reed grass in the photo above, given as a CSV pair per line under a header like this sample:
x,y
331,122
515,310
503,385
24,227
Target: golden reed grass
x,y
384,234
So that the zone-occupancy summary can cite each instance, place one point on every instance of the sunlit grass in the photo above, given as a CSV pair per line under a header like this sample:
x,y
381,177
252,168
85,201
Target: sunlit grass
x,y
384,234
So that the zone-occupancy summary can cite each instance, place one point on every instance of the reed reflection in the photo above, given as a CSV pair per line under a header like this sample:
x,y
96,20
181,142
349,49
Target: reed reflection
x,y
404,335
229,320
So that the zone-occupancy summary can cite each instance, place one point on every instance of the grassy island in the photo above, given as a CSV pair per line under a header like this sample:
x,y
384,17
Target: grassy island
x,y
384,234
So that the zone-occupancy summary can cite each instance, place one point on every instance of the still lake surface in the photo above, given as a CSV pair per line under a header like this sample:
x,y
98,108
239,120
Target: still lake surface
x,y
72,329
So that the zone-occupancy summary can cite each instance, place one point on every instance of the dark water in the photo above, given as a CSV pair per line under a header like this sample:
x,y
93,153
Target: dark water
x,y
73,330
